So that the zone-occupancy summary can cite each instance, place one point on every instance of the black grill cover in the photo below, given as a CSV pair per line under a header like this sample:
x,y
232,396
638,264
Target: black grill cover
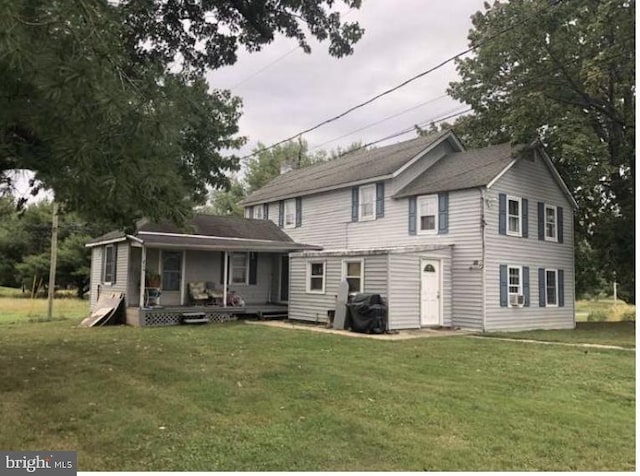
x,y
367,313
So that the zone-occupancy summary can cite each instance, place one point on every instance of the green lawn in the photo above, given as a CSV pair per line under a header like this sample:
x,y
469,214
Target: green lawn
x,y
621,333
25,310
606,306
240,397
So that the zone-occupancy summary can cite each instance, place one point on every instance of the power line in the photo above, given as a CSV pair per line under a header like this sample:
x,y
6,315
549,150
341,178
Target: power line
x,y
403,84
384,119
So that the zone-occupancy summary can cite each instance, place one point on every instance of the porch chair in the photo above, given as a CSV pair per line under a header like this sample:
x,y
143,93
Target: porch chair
x,y
198,292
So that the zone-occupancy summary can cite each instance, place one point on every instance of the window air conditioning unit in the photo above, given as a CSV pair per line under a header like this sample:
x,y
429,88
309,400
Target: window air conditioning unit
x,y
516,300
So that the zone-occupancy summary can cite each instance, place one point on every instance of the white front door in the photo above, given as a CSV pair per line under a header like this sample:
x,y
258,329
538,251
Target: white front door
x,y
430,292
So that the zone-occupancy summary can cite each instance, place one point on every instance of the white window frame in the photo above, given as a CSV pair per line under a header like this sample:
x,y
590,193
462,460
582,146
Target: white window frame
x,y
361,191
289,209
424,200
246,268
511,198
258,212
555,223
546,288
309,276
509,285
345,268
247,211
114,265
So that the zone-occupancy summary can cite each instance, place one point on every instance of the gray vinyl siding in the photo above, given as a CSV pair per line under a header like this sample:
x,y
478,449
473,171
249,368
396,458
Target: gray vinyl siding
x,y
314,307
327,222
96,274
404,288
206,266
133,295
531,180
98,288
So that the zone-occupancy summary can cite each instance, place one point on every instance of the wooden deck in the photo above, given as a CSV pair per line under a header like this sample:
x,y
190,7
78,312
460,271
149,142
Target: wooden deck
x,y
176,315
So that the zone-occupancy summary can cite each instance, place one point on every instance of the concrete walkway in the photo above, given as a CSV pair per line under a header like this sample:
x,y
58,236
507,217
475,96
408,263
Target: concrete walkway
x,y
570,344
399,335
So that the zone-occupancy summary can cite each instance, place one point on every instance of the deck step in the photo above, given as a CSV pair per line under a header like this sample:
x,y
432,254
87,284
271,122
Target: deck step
x,y
194,318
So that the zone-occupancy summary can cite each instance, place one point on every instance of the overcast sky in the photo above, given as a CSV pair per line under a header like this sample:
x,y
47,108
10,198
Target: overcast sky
x,y
285,91
295,90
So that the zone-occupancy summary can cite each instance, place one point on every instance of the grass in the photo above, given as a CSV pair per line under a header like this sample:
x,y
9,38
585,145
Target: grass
x,y
239,397
25,310
622,334
606,306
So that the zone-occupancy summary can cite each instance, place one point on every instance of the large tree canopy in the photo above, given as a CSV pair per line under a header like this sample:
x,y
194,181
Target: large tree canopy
x,y
564,71
106,104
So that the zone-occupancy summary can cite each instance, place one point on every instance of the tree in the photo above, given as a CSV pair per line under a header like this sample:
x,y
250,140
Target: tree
x,y
106,102
227,202
563,71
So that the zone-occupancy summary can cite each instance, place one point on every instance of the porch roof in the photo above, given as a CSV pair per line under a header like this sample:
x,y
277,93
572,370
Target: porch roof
x,y
209,232
214,243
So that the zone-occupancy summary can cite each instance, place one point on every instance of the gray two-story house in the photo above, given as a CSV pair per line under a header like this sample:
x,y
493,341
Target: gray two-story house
x,y
477,239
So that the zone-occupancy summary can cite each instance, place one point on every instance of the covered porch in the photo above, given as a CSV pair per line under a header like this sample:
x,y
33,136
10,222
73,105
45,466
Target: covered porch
x,y
168,273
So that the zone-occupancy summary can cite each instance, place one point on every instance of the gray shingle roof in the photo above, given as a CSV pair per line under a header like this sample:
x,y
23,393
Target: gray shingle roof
x,y
461,170
353,167
262,231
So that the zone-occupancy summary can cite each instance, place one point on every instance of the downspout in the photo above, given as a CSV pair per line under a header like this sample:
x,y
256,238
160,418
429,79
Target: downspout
x,y
483,225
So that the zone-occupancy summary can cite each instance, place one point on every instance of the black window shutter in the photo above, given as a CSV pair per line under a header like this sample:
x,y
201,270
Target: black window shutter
x,y
560,226
114,266
502,214
298,212
265,211
281,213
443,213
541,221
253,268
250,212
525,285
503,285
561,287
541,287
525,218
354,203
412,215
379,199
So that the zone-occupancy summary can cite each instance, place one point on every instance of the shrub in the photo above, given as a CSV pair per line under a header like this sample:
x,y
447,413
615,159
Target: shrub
x,y
597,316
622,312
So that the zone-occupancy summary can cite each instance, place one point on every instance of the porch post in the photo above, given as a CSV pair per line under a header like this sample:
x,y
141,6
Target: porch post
x,y
182,276
225,278
143,272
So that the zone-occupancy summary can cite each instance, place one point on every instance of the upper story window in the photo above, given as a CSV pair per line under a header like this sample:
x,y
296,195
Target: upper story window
x,y
171,270
109,272
353,272
290,213
316,277
239,268
428,214
258,212
367,200
550,223
514,216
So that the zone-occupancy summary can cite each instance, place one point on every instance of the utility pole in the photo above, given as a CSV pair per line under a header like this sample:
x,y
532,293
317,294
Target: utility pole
x,y
615,289
54,256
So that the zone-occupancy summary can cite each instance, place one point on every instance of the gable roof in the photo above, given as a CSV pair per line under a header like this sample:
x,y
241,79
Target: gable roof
x,y
353,167
461,170
209,232
476,168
